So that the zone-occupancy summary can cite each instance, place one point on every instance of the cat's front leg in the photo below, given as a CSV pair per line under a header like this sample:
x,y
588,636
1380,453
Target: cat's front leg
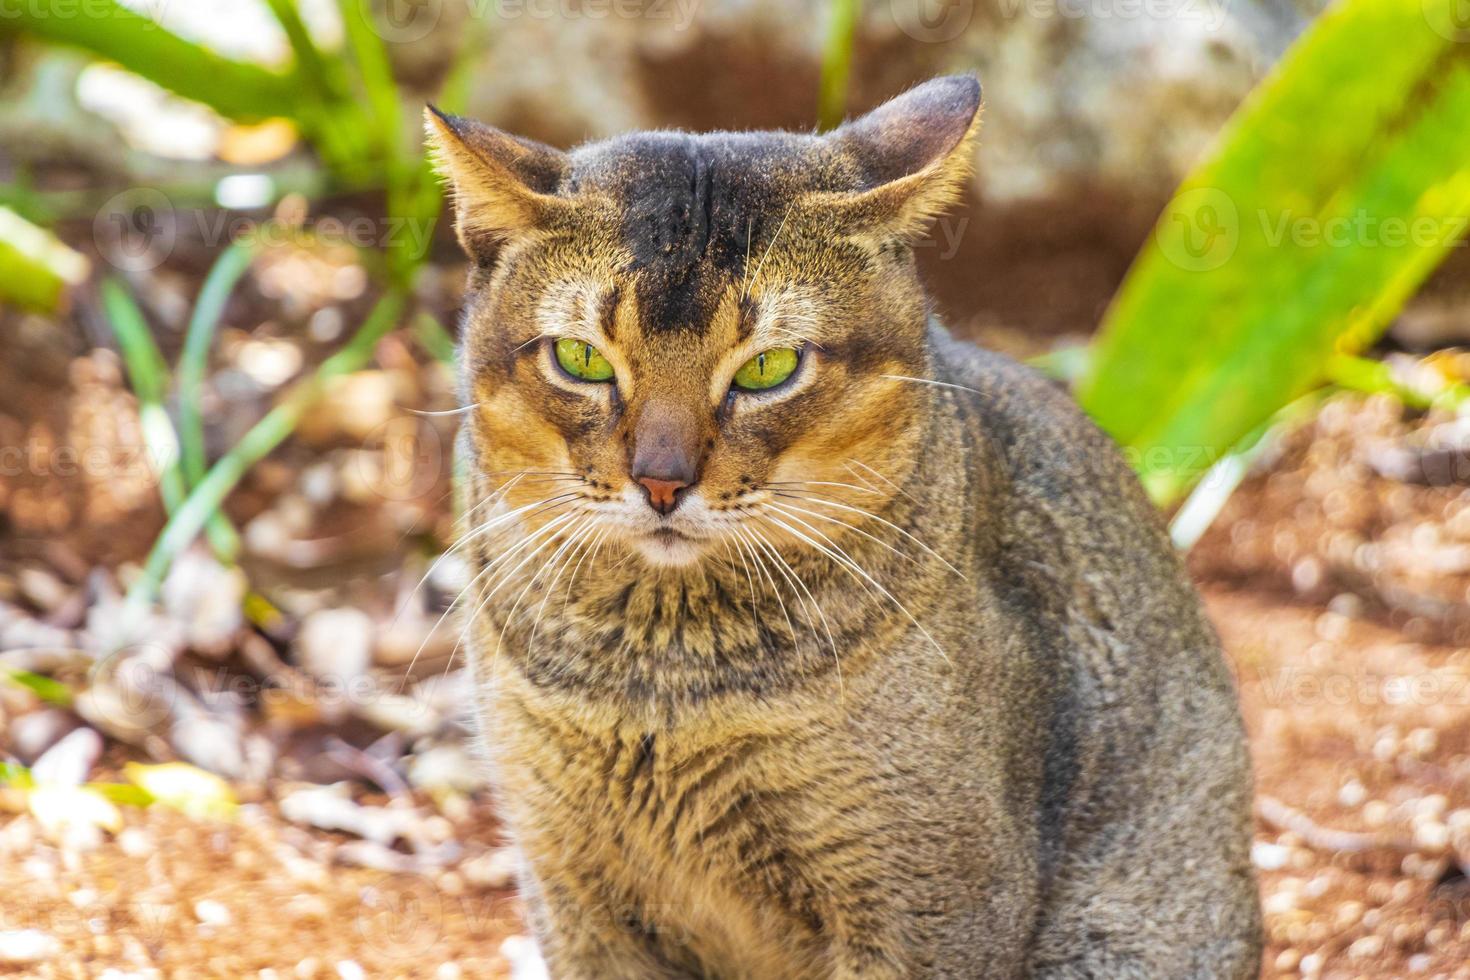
x,y
867,946
586,941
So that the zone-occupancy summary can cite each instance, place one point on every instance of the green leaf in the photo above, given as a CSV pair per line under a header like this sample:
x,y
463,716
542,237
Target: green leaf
x,y
183,787
235,89
15,774
35,267
1336,189
47,689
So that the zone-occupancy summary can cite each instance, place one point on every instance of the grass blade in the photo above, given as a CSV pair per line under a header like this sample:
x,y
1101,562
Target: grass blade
x,y
837,63
207,497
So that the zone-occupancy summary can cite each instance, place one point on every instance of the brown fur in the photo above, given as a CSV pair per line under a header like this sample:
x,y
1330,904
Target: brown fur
x,y
921,689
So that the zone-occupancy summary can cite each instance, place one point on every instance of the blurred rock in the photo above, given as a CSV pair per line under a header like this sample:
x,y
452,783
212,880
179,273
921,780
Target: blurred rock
x,y
447,766
33,733
335,645
332,808
495,869
69,761
1127,93
397,713
27,947
42,589
207,598
353,406
73,817
208,736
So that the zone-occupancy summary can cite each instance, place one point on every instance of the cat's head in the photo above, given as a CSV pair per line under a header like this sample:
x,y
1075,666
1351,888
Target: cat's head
x,y
675,338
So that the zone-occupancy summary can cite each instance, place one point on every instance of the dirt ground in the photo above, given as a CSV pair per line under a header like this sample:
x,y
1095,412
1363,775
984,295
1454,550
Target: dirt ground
x,y
1359,733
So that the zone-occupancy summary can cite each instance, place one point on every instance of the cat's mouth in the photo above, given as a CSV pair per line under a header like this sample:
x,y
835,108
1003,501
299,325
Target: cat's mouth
x,y
667,546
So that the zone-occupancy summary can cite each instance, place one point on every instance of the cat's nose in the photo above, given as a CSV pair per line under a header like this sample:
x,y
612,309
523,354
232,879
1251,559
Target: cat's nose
x,y
663,495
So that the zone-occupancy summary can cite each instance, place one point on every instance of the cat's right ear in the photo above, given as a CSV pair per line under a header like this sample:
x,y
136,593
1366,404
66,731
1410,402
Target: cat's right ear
x,y
503,186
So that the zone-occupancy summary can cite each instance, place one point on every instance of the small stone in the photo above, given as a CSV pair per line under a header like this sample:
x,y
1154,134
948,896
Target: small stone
x,y
1352,795
336,645
1431,835
442,767
1348,915
136,842
349,970
69,761
1376,813
212,913
1287,960
1422,742
495,870
24,947
42,588
1270,857
1420,963
1366,948
308,969
1312,964
32,734
449,971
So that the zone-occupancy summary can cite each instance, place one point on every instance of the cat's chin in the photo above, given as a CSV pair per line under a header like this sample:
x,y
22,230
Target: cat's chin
x,y
668,549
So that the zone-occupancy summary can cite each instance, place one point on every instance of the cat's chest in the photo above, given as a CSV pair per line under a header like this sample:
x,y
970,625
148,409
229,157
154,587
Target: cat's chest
x,y
692,844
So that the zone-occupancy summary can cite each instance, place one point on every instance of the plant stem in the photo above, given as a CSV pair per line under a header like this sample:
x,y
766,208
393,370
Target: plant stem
x,y
149,375
837,64
435,339
207,497
198,339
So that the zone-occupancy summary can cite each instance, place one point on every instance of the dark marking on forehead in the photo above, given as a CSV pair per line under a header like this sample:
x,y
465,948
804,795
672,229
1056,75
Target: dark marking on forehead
x,y
698,209
609,319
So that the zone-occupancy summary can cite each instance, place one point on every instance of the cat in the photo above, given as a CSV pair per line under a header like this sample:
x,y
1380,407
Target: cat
x,y
809,641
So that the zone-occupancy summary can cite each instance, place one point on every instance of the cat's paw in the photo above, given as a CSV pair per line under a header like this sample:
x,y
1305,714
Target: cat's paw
x,y
525,959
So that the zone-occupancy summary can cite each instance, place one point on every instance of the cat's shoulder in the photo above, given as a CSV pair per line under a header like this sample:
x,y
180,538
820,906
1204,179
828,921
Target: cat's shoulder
x,y
1031,416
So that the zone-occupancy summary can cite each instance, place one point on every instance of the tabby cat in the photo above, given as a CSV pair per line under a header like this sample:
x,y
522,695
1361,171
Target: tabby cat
x,y
809,641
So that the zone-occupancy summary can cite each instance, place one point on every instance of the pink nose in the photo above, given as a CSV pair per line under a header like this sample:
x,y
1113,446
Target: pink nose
x,y
663,495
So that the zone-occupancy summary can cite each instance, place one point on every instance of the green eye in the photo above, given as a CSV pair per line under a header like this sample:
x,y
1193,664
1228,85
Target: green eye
x,y
581,360
767,369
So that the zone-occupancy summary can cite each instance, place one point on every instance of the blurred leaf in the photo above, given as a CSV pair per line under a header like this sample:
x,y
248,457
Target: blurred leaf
x,y
193,363
185,788
837,63
47,689
60,808
14,774
35,267
1336,189
149,375
434,337
235,89
122,793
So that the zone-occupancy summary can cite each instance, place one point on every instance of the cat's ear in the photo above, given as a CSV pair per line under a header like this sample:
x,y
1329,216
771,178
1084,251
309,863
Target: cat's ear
x,y
503,185
914,152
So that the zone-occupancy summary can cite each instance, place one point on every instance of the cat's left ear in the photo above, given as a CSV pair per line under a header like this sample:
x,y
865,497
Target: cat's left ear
x,y
914,152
